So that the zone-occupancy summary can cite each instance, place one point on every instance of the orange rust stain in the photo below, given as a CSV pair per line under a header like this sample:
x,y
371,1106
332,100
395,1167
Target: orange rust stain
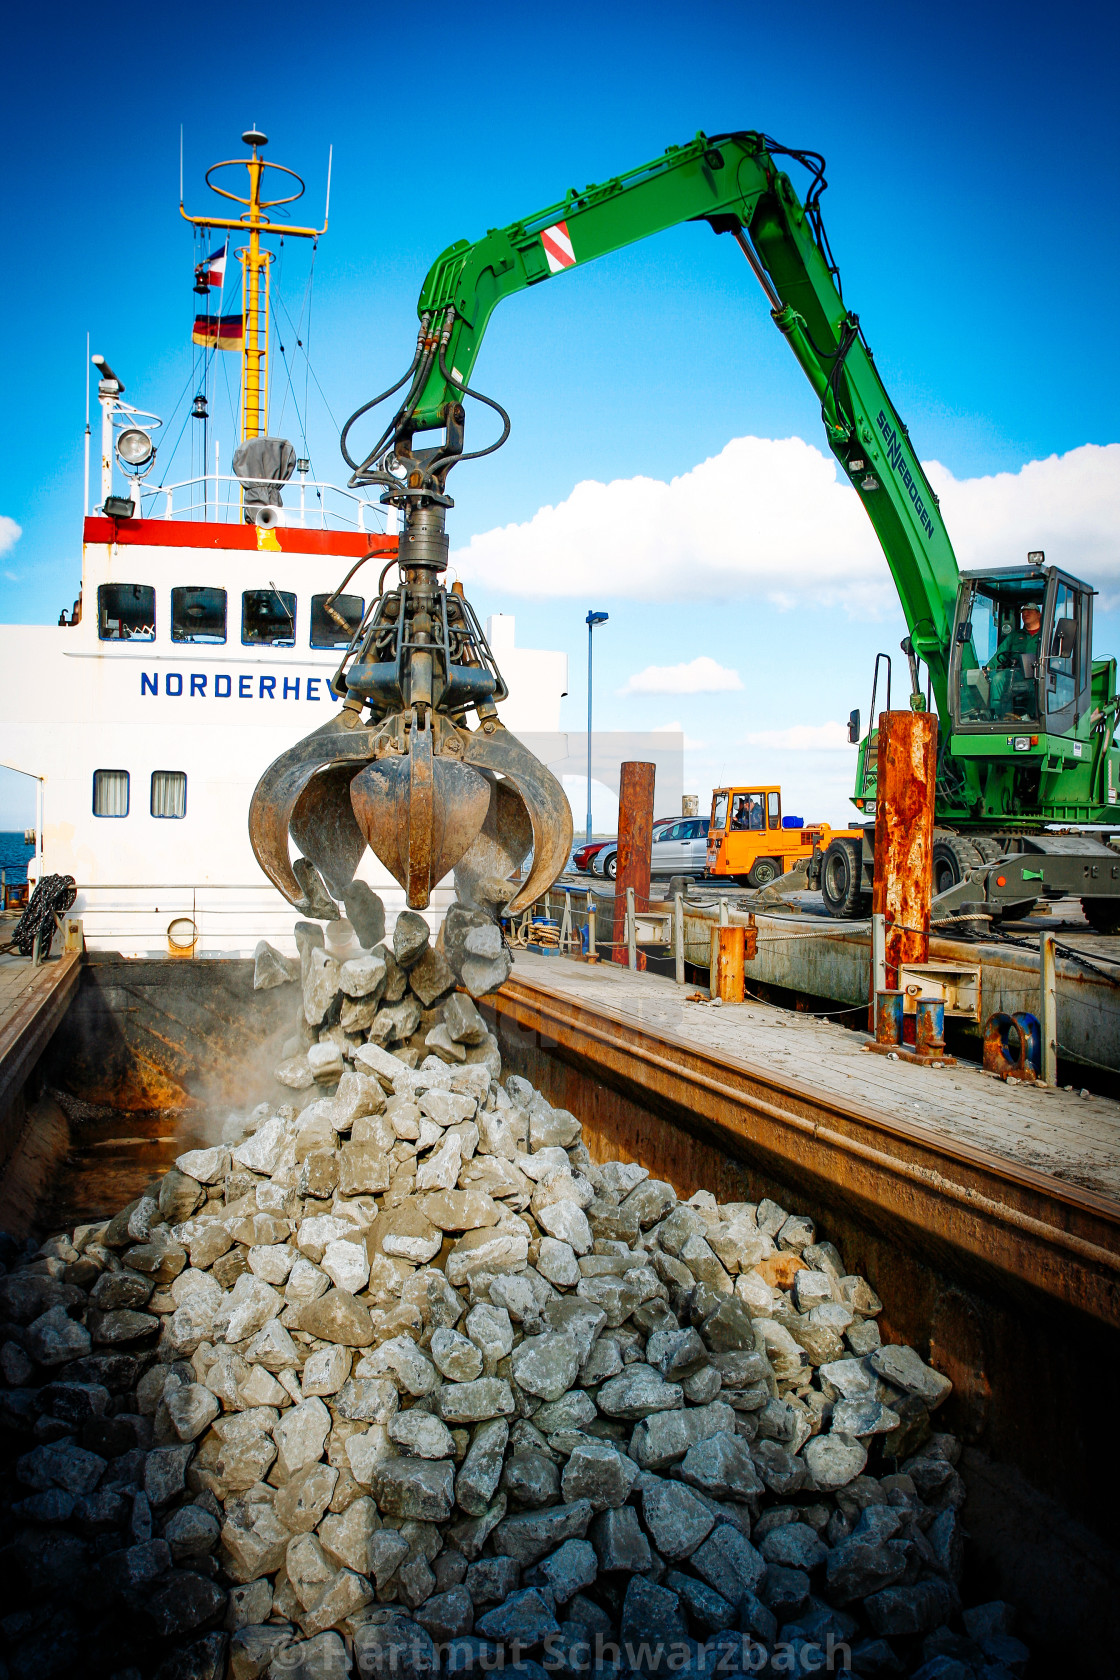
x,y
779,1270
907,775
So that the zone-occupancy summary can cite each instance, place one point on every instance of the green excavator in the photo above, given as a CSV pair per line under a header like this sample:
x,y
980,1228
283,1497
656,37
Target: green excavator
x,y
1026,758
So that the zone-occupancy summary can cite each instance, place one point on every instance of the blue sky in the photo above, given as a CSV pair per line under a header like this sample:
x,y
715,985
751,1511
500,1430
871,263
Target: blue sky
x,y
972,205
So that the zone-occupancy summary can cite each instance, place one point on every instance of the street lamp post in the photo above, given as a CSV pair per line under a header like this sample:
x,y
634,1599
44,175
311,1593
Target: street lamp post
x,y
593,618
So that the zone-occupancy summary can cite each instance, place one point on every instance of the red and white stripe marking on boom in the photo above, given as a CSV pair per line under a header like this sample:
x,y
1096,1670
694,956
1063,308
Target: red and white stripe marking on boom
x,y
557,242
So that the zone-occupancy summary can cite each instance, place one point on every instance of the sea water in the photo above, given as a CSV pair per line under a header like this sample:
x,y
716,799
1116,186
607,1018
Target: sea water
x,y
15,855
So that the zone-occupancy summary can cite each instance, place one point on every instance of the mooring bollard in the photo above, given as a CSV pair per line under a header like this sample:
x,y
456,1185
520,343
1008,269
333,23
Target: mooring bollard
x,y
888,1017
929,1027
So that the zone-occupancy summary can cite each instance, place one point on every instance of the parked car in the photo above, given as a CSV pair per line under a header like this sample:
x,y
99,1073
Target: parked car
x,y
583,853
681,848
605,861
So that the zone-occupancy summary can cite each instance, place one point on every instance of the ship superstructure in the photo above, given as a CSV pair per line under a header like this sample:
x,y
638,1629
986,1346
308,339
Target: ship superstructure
x,y
203,641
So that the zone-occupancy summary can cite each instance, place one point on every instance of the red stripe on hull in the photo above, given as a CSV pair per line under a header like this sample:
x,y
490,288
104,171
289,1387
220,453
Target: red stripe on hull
x,y
173,533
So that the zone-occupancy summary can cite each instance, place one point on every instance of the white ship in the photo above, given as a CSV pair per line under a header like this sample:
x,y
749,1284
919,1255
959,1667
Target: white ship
x,y
201,645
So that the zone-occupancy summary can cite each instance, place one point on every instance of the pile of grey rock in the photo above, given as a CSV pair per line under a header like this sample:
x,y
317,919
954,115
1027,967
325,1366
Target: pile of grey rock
x,y
396,1379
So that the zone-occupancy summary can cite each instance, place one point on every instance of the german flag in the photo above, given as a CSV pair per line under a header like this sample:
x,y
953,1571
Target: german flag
x,y
219,332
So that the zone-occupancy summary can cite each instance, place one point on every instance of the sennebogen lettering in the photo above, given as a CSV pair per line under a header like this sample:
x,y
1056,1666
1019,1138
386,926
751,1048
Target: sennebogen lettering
x,y
897,459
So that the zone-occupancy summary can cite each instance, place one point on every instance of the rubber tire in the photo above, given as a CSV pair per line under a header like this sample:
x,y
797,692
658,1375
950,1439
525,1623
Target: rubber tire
x,y
841,872
1102,914
610,867
762,872
988,848
953,857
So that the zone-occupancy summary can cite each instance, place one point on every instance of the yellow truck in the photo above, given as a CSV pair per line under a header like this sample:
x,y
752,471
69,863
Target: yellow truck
x,y
748,840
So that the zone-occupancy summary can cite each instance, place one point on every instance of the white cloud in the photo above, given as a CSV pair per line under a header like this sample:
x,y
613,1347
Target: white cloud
x,y
10,534
12,577
803,737
699,676
1067,505
774,518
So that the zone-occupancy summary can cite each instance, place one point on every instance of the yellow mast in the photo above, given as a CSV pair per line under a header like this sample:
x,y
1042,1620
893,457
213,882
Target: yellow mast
x,y
255,262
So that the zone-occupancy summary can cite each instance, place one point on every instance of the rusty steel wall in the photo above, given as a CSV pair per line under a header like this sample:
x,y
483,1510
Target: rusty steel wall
x,y
1022,1360
904,834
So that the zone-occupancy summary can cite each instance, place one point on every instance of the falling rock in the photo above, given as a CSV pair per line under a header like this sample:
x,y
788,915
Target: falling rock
x,y
364,976
461,1210
557,1262
165,1470
317,900
344,1595
440,1043
270,968
430,976
463,1022
346,1264
475,950
190,1532
325,1370
366,914
320,986
411,937
337,1317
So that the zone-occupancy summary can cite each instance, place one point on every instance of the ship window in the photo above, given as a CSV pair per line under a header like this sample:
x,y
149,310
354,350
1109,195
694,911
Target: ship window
x,y
110,793
198,614
126,612
325,633
774,810
268,618
169,793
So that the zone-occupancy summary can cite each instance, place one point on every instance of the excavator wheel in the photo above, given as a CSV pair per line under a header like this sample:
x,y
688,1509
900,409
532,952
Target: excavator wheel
x,y
841,889
988,848
1102,914
953,857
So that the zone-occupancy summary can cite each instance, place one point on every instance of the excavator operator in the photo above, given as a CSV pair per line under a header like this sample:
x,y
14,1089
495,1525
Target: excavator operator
x,y
1013,666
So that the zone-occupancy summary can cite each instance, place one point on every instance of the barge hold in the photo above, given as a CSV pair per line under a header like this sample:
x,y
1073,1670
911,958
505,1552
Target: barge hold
x,y
400,1364
999,1274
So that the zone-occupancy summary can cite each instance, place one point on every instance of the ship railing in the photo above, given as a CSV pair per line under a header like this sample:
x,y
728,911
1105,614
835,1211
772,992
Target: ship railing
x,y
308,503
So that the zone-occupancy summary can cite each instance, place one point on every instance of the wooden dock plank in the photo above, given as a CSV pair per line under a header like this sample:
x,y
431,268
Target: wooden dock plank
x,y
1072,1139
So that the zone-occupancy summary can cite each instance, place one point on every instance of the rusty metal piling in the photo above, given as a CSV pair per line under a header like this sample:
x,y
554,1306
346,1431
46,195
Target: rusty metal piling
x,y
635,837
904,838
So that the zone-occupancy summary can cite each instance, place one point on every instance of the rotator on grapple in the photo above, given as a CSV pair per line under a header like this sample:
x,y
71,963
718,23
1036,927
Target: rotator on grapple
x,y
398,768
